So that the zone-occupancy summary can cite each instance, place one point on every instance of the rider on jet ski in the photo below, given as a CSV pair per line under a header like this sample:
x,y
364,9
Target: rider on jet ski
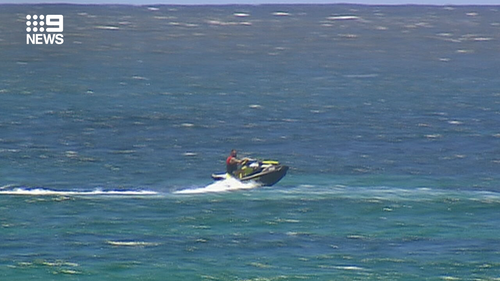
x,y
266,172
232,162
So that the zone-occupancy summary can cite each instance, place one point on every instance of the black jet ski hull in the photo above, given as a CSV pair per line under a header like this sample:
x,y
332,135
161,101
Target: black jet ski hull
x,y
269,176
266,177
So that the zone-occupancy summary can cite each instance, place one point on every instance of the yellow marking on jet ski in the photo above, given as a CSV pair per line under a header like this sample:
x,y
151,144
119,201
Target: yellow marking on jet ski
x,y
245,171
270,162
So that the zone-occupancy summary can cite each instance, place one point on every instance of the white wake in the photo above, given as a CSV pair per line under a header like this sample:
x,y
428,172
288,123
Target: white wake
x,y
230,184
49,192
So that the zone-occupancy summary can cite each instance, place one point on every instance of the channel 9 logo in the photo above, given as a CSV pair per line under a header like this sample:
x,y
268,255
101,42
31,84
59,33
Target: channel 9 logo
x,y
44,29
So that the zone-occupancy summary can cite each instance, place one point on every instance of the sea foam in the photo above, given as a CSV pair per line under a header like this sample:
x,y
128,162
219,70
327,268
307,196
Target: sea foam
x,y
50,192
230,184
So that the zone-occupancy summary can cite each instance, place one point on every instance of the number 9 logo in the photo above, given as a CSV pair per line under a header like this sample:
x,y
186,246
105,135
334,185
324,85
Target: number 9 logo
x,y
54,20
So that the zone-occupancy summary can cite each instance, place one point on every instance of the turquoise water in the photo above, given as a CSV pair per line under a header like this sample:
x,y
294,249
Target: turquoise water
x,y
387,116
291,234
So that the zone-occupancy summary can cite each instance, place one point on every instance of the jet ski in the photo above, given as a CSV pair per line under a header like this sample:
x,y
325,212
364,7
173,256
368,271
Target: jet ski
x,y
267,172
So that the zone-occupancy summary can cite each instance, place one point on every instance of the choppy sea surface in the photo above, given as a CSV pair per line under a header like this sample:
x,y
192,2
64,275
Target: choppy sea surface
x,y
388,116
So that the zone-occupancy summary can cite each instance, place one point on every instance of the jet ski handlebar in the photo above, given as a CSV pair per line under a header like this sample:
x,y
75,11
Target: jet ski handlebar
x,y
265,162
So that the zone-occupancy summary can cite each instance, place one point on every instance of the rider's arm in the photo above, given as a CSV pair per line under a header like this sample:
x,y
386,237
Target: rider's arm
x,y
235,161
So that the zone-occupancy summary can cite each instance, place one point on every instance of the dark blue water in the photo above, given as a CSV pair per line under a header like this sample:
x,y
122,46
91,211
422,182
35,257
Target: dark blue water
x,y
387,116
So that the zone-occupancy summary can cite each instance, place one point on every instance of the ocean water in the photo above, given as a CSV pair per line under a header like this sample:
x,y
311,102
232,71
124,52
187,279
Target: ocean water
x,y
388,117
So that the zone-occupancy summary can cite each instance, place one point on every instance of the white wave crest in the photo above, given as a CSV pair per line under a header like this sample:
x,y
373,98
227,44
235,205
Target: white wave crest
x,y
132,243
230,184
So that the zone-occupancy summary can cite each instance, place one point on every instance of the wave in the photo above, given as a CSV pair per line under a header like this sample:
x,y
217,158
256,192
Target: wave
x,y
225,185
301,191
50,192
131,243
385,193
